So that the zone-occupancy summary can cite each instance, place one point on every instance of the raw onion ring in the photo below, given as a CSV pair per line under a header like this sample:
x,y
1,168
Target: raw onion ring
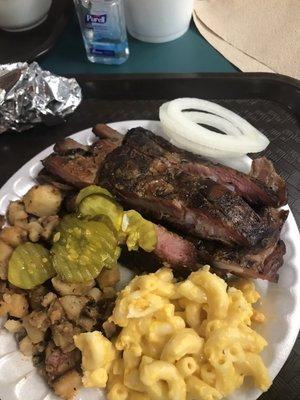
x,y
183,129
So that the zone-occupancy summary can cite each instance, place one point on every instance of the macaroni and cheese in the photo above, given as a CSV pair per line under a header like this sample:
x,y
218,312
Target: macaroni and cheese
x,y
189,340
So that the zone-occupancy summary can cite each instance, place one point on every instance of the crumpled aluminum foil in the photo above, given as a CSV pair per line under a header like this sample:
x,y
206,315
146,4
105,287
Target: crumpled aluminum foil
x,y
29,95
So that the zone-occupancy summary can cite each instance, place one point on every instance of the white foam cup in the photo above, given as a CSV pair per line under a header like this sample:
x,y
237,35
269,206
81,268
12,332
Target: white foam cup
x,y
158,21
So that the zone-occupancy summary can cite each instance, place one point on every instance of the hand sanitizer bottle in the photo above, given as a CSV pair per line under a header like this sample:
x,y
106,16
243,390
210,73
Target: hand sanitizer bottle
x,y
102,24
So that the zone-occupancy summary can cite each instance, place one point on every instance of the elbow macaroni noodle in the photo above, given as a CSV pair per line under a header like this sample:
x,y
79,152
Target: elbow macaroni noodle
x,y
190,340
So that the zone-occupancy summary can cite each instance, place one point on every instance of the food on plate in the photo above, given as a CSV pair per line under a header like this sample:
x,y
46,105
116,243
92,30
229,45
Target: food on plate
x,y
231,200
98,354
82,244
30,266
190,204
32,228
42,200
183,120
77,165
264,187
189,339
45,319
93,190
262,260
79,252
83,248
5,254
139,232
210,210
60,244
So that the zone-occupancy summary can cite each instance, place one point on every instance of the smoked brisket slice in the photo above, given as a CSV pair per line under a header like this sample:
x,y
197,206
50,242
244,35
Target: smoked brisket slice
x,y
262,187
187,202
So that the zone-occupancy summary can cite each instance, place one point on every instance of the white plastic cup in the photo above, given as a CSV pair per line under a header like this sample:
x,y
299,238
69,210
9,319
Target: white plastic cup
x,y
158,21
21,15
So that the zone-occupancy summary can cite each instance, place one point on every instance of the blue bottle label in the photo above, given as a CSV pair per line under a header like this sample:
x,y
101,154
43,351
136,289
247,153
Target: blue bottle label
x,y
102,52
108,49
96,19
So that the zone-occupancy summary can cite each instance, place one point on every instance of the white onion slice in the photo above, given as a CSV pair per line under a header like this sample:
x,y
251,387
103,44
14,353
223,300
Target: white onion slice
x,y
186,144
249,133
214,120
181,126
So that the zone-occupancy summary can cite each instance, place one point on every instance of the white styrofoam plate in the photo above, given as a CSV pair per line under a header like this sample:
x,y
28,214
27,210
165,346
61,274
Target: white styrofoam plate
x,y
280,302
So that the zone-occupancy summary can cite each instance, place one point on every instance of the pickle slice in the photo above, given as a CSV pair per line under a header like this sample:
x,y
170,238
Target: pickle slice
x,y
30,266
139,231
89,190
97,205
83,248
95,202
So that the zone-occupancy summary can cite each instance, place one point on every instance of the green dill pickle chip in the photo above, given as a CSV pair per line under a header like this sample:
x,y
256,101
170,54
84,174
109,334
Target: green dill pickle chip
x,y
30,266
97,205
89,190
139,231
83,248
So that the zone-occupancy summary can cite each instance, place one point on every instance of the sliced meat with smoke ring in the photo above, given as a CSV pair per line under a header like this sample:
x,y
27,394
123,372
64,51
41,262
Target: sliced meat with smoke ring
x,y
171,250
186,255
77,165
263,186
187,192
174,250
193,205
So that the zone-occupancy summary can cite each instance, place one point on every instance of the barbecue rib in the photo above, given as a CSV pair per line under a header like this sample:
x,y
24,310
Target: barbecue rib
x,y
260,261
263,186
196,195
78,166
184,255
177,252
75,164
193,205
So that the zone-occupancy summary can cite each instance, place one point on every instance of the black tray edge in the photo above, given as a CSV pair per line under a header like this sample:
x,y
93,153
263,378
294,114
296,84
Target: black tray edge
x,y
241,75
281,89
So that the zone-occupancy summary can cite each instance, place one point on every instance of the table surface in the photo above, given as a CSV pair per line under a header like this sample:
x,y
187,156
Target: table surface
x,y
188,54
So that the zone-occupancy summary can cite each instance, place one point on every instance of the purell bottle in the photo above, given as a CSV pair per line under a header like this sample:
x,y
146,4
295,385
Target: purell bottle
x,y
103,29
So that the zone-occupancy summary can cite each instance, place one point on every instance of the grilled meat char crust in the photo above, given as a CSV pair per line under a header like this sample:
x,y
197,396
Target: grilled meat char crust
x,y
263,171
191,204
76,165
260,261
263,186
